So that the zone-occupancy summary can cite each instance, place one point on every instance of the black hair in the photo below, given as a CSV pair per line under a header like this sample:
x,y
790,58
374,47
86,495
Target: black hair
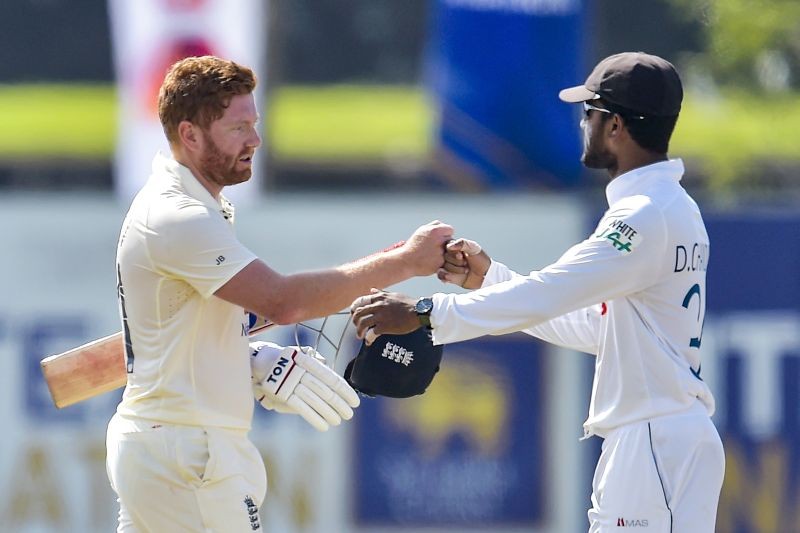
x,y
650,132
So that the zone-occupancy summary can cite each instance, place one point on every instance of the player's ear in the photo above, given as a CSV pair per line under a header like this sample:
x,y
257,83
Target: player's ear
x,y
189,135
615,126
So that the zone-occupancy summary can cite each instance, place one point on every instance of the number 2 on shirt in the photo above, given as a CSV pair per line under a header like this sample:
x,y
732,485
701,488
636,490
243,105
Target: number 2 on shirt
x,y
695,290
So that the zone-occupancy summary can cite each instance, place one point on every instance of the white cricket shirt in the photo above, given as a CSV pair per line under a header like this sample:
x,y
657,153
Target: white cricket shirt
x,y
633,293
187,350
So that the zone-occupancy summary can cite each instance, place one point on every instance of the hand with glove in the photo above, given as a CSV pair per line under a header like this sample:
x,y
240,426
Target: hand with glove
x,y
296,380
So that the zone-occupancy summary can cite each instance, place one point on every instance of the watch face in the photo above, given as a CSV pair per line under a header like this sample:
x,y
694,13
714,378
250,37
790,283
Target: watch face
x,y
424,306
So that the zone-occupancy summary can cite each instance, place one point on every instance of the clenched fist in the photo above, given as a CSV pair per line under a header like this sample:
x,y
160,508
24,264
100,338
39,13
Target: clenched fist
x,y
424,250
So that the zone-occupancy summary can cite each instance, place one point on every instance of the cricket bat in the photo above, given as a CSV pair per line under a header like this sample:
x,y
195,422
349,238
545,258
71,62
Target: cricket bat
x,y
86,371
97,367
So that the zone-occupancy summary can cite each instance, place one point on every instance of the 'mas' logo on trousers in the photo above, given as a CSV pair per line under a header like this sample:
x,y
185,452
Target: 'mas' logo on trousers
x,y
631,522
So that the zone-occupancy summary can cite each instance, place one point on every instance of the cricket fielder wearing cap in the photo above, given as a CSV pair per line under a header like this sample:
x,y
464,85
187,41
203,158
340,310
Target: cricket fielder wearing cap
x,y
178,453
633,293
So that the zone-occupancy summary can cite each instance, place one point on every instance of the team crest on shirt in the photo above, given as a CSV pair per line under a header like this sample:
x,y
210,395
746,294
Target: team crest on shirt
x,y
619,234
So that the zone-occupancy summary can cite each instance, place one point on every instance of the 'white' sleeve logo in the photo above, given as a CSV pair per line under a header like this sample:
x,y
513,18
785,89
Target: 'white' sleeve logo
x,y
623,237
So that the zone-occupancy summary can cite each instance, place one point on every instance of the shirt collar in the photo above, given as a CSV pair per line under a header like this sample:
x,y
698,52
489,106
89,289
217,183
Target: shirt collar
x,y
639,179
167,164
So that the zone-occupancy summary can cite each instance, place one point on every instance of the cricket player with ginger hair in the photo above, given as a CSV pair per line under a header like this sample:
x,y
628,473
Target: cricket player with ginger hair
x,y
178,453
633,293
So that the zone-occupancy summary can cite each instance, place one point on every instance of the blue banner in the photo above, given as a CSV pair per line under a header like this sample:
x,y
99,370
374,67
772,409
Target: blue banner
x,y
495,68
755,261
754,318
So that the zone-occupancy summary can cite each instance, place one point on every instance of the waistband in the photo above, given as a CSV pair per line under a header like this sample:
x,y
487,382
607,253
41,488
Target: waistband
x,y
697,408
131,424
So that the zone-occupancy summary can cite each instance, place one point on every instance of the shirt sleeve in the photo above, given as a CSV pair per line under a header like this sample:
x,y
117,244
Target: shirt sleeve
x,y
200,247
578,330
498,273
619,258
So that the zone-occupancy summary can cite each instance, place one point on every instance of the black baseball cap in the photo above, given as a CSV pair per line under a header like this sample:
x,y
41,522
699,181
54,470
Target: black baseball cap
x,y
397,366
635,81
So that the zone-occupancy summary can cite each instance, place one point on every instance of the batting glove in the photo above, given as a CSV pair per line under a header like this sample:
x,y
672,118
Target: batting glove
x,y
297,380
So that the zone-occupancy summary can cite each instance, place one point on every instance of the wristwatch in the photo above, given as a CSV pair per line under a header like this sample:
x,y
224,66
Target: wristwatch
x,y
423,308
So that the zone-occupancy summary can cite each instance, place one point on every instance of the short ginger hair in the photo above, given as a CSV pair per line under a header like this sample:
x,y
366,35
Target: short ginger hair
x,y
199,89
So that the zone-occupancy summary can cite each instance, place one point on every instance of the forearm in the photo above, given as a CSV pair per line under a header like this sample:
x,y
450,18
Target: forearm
x,y
293,298
589,273
491,310
522,302
320,293
287,299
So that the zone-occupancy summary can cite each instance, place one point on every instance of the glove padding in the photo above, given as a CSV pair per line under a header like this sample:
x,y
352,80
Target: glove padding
x,y
297,380
397,366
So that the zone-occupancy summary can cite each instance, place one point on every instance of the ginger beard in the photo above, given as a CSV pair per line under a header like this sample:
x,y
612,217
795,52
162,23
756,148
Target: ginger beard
x,y
220,168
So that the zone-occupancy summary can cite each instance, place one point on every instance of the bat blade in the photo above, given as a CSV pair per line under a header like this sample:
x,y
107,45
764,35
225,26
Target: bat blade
x,y
97,367
86,371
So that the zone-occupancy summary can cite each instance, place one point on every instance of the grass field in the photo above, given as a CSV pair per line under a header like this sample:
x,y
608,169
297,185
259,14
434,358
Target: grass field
x,y
364,122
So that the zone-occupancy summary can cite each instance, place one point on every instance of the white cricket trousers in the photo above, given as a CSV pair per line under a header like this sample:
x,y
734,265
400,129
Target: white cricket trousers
x,y
184,478
661,475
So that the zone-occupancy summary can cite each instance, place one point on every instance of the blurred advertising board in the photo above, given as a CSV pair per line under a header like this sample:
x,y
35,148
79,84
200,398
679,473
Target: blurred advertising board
x,y
753,330
494,68
468,452
58,291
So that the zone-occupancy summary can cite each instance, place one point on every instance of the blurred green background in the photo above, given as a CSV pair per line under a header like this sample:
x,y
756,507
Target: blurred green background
x,y
730,133
329,107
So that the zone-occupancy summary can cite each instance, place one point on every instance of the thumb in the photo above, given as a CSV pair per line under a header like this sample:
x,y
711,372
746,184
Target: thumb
x,y
466,246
